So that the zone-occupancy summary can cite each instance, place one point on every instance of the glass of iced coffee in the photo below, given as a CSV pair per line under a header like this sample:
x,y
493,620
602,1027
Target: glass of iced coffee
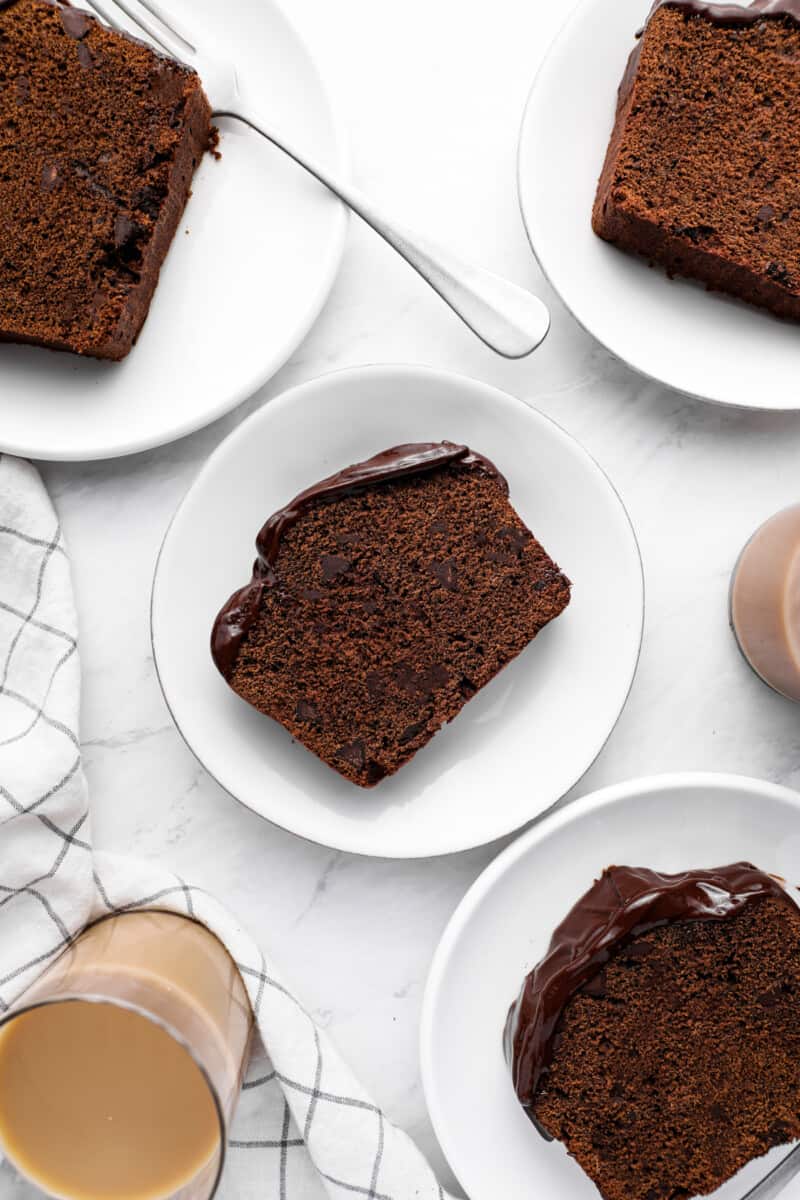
x,y
120,1068
765,602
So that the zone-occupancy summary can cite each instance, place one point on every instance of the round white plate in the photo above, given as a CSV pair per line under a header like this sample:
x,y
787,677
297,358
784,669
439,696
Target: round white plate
x,y
504,924
674,331
250,267
527,737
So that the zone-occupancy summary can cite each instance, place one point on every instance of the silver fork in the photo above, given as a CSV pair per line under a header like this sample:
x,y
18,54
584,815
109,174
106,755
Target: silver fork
x,y
776,1179
506,317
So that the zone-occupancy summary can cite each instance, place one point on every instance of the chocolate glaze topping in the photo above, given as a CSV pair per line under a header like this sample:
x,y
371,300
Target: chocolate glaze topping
x,y
76,23
623,904
733,14
399,462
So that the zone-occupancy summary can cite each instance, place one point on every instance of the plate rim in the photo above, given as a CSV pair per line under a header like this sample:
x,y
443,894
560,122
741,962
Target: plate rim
x,y
415,371
342,155
549,823
526,123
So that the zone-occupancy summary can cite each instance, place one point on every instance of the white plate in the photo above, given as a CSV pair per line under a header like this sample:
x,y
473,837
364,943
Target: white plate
x,y
251,265
503,926
527,737
671,330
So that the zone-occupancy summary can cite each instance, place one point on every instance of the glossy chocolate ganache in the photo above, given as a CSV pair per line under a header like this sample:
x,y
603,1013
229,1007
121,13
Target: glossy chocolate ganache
x,y
399,462
623,904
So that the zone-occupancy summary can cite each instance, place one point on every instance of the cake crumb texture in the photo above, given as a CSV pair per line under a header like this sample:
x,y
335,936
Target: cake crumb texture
x,y
701,172
389,610
680,1061
99,140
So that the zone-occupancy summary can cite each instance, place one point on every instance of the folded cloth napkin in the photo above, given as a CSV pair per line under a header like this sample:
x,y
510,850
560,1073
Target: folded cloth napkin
x,y
304,1129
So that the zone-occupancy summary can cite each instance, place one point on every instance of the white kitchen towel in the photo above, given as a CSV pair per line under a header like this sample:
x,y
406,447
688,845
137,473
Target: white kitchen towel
x,y
305,1129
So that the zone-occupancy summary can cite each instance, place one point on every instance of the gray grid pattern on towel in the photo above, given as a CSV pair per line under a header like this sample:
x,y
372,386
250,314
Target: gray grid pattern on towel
x,y
304,1128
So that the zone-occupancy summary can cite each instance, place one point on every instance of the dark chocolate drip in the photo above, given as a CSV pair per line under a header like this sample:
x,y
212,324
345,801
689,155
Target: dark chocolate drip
x,y
732,14
76,23
233,622
623,904
397,463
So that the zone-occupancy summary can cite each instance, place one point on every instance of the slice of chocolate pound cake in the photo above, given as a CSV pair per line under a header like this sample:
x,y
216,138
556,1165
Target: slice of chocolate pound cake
x,y
382,600
99,140
659,1038
701,172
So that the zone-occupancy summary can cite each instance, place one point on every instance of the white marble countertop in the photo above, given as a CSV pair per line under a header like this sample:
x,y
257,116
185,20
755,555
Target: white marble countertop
x,y
432,93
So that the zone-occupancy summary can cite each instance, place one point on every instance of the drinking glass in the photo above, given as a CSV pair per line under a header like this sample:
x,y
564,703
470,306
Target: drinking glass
x,y
121,1066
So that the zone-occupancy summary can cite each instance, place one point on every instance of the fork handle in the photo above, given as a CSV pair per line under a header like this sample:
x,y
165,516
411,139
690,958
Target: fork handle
x,y
507,318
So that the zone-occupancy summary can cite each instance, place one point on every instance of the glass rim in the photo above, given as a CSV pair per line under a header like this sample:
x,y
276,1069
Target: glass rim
x,y
154,1019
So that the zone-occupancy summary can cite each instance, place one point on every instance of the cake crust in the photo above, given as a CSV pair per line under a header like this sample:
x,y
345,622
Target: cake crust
x,y
100,140
699,175
382,600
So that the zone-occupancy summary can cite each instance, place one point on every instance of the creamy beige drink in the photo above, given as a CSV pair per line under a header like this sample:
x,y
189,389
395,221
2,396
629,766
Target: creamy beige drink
x,y
122,1068
98,1102
765,602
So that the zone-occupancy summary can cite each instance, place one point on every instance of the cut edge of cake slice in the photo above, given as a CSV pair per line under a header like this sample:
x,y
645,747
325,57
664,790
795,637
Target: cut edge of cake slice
x,y
102,304
650,952
436,690
689,250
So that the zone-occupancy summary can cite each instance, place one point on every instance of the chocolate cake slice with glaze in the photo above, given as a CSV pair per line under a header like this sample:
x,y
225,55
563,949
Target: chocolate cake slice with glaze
x,y
701,171
99,139
382,600
659,1038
